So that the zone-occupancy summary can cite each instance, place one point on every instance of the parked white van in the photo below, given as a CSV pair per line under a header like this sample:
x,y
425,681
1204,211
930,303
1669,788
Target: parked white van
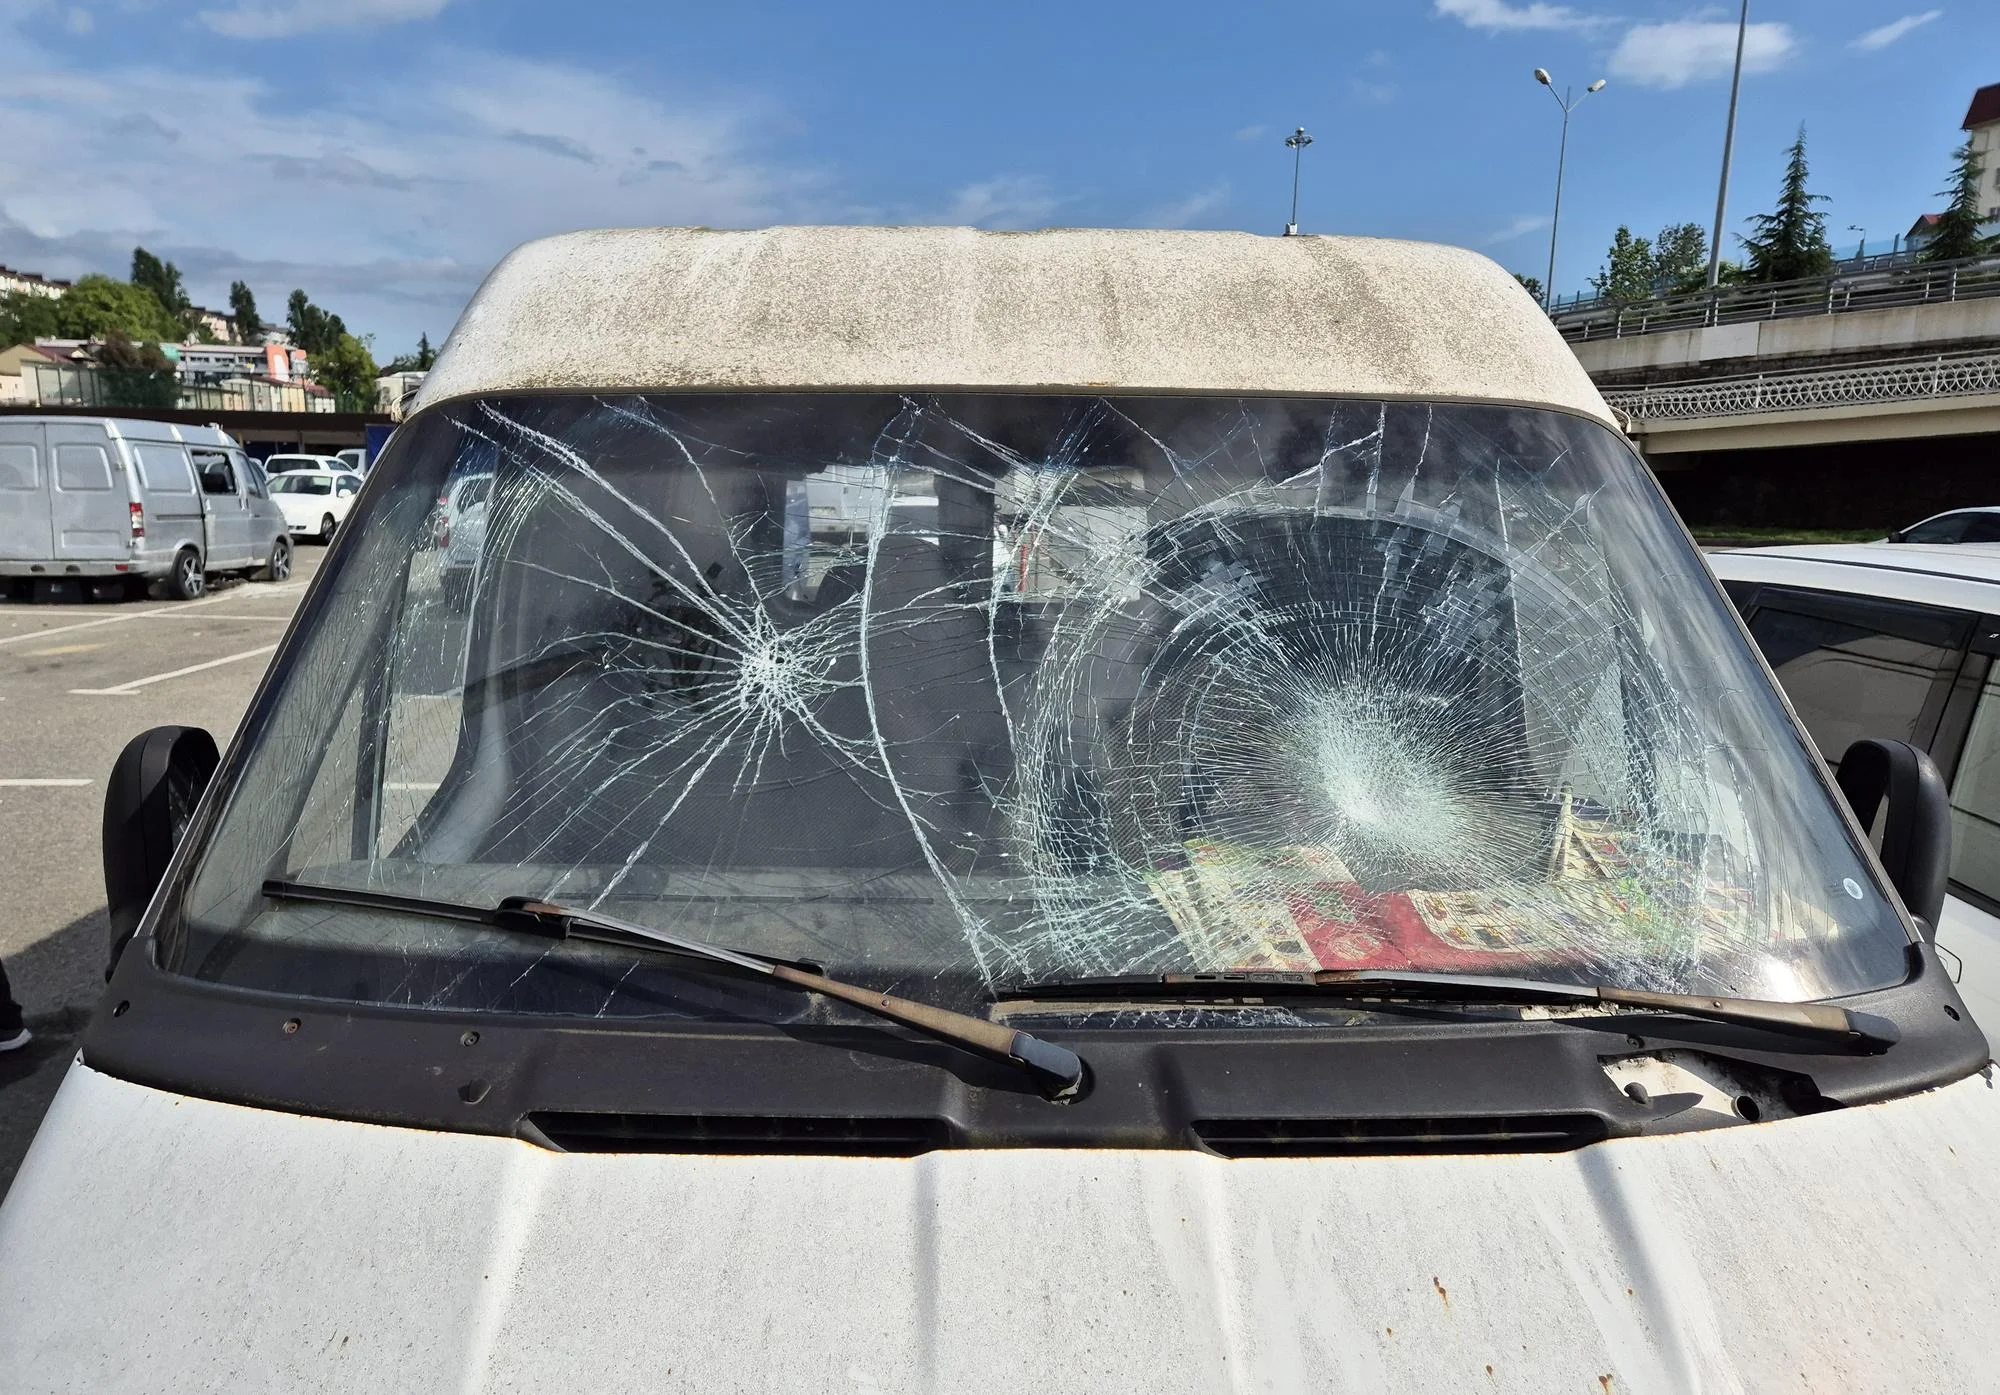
x,y
109,504
1058,812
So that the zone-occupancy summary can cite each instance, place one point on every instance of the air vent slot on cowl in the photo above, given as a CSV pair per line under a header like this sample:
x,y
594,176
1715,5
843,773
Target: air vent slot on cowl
x,y
763,1134
1317,1138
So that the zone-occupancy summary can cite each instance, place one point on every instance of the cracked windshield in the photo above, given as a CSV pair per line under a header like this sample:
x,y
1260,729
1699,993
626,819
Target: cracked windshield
x,y
950,692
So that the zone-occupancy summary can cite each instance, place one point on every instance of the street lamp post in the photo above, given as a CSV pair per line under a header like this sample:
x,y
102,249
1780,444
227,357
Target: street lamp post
x,y
1861,252
1296,142
1568,105
1728,145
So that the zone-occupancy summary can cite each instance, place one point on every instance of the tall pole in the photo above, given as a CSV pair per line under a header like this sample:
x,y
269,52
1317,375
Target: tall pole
x,y
1568,105
1555,222
1728,147
1298,140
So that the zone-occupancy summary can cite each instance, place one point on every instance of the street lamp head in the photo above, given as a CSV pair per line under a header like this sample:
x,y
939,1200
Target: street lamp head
x,y
1597,86
1298,140
1542,76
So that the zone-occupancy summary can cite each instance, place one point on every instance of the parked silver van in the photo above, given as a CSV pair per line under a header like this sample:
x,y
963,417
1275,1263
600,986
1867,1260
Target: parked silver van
x,y
104,504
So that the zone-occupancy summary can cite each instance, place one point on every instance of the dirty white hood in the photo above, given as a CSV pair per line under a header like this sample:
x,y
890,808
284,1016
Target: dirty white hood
x,y
158,1243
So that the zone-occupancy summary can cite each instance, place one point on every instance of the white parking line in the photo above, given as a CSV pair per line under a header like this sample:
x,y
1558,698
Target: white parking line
x,y
132,688
177,608
43,784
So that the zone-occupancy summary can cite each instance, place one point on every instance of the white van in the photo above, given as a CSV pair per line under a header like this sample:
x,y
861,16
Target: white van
x,y
1246,852
105,504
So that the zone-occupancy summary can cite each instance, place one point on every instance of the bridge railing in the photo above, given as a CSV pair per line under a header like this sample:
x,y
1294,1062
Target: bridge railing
x,y
1847,289
1854,384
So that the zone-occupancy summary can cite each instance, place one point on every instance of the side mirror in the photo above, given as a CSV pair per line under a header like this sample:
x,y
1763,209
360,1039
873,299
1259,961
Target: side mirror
x,y
1916,825
152,793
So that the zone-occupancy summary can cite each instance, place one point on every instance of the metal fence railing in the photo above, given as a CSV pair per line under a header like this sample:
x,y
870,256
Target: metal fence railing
x,y
80,385
1886,380
1849,288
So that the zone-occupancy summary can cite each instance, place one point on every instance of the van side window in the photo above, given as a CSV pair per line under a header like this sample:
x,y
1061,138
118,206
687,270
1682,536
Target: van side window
x,y
217,475
1857,667
253,478
81,468
163,469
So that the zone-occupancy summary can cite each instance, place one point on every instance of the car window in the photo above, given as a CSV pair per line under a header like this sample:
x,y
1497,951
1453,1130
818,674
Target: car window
x,y
253,478
346,488
301,484
1981,528
1975,799
218,476
1948,529
1858,667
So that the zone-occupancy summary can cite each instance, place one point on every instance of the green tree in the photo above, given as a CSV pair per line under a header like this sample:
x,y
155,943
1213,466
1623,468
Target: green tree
x,y
347,368
315,330
1629,272
97,305
1680,259
425,356
25,318
243,313
1957,232
1790,241
163,279
1531,284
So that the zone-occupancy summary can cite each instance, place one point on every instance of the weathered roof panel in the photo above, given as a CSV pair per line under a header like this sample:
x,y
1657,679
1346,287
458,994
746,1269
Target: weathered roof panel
x,y
805,308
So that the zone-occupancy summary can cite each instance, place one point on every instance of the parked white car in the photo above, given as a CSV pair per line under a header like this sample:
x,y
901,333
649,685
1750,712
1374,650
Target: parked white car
x,y
315,502
285,464
1898,640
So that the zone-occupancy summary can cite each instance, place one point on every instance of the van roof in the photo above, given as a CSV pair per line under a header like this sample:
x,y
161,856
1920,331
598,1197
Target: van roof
x,y
135,429
641,309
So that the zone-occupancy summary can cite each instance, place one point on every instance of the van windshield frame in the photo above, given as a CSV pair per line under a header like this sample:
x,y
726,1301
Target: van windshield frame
x,y
943,691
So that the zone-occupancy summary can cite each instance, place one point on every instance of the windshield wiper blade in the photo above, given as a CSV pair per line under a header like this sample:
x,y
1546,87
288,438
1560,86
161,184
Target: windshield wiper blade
x,y
1824,1021
1058,1071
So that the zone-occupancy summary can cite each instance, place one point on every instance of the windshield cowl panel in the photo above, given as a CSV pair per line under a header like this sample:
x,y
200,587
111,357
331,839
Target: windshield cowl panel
x,y
948,692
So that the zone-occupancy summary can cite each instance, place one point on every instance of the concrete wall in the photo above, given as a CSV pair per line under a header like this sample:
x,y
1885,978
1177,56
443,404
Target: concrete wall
x,y
1731,347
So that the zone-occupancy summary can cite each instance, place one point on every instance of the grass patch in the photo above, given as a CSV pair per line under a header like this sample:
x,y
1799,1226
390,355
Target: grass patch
x,y
1714,535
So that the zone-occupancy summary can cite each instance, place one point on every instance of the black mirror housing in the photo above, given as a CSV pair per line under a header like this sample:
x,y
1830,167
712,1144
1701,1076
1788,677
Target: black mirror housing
x,y
155,785
1916,829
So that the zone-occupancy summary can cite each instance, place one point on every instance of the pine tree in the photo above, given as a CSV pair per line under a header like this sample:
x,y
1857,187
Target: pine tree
x,y
315,330
243,313
1790,241
1630,273
1957,233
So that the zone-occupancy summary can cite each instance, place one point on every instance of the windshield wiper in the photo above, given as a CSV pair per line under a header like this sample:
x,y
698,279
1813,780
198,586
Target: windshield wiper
x,y
1055,1069
1859,1030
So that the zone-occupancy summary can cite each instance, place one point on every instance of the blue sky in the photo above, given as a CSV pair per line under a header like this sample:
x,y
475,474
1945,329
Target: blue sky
x,y
384,153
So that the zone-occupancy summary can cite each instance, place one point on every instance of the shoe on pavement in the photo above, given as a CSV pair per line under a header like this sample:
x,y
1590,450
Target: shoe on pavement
x,y
17,1041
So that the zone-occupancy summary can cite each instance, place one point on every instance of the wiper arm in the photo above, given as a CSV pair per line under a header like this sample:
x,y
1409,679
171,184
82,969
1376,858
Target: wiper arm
x,y
1859,1030
1055,1069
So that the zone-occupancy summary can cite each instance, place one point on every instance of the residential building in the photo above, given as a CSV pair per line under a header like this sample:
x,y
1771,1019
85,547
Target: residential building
x,y
14,282
16,379
394,392
1982,126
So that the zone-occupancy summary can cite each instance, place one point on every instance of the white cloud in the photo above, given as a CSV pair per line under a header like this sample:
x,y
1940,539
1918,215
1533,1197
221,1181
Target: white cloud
x,y
1683,51
281,19
1372,94
1005,201
1187,211
1895,29
386,200
1250,133
1519,227
1497,15
79,22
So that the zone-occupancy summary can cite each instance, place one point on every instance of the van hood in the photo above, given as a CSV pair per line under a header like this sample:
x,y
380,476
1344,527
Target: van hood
x,y
155,1242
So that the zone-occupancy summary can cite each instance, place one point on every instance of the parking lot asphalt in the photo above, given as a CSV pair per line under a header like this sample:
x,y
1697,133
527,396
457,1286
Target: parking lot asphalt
x,y
76,683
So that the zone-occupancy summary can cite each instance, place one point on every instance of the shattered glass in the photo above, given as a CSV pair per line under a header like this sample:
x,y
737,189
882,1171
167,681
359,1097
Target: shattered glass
x,y
948,692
